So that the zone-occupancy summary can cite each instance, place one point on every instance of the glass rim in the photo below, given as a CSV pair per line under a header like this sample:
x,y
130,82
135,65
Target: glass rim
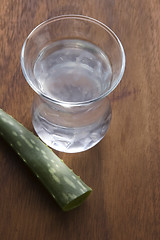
x,y
78,17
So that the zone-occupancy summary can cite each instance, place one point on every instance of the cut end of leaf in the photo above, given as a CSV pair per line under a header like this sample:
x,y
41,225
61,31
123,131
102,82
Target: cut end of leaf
x,y
77,201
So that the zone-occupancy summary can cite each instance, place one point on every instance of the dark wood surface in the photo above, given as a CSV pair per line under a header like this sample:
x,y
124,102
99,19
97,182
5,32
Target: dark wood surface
x,y
124,168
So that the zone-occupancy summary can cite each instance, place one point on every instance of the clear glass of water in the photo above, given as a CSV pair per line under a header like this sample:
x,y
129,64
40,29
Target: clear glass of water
x,y
73,63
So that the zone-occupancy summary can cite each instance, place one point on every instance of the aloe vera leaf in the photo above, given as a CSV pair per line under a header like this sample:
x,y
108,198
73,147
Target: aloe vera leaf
x,y
63,184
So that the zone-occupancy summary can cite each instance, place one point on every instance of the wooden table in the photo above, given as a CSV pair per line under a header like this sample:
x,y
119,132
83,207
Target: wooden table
x,y
124,168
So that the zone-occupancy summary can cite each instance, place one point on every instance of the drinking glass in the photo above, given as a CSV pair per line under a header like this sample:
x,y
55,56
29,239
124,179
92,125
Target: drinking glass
x,y
73,63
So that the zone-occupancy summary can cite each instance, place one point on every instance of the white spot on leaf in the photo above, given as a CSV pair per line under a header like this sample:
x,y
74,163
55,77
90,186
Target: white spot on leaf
x,y
56,178
45,156
19,143
32,141
42,151
53,196
72,195
4,119
81,184
65,196
82,190
14,133
26,141
11,123
69,182
52,170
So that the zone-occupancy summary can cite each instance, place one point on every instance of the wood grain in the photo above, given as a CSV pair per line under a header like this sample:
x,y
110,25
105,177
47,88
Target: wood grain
x,y
124,168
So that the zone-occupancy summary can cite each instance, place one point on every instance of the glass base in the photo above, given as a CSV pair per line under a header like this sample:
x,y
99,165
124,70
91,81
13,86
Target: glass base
x,y
69,140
